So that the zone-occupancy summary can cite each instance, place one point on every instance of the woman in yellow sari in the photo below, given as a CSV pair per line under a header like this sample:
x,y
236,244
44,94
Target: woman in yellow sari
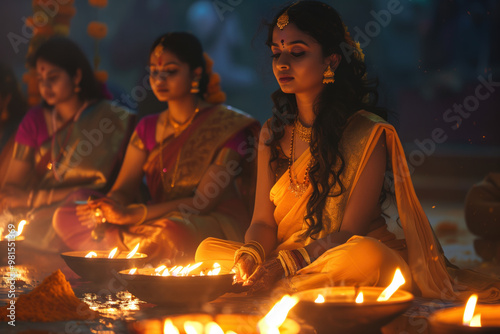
x,y
196,157
322,164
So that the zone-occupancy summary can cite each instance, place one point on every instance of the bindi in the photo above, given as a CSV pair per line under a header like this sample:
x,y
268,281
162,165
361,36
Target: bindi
x,y
283,43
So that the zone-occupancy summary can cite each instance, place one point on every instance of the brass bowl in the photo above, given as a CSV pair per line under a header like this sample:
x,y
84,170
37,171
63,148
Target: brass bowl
x,y
101,268
449,320
176,290
238,323
340,314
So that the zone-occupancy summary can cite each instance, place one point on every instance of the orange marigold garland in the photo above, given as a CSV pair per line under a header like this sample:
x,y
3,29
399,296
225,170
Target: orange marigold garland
x,y
214,94
45,23
52,300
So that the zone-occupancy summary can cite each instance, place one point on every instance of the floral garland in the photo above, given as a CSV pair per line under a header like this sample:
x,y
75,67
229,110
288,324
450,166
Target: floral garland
x,y
214,94
45,26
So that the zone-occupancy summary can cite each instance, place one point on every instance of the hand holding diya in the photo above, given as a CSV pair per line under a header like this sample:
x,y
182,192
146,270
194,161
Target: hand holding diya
x,y
353,309
101,265
468,319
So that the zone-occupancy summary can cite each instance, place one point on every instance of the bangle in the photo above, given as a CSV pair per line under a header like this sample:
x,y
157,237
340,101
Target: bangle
x,y
145,212
29,202
252,248
294,260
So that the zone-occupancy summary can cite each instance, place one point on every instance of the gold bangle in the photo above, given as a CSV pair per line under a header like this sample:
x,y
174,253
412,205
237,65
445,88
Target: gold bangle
x,y
145,212
259,247
305,255
250,251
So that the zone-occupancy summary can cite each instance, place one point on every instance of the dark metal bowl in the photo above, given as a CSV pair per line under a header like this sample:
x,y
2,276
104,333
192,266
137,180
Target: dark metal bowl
x,y
101,268
340,314
449,320
177,290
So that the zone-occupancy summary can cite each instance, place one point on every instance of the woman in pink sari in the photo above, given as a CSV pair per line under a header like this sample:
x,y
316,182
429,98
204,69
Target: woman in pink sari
x,y
197,161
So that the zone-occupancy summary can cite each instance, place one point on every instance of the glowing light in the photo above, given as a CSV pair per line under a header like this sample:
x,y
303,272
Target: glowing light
x,y
132,253
320,299
469,318
169,328
132,271
91,255
359,298
213,328
112,253
215,271
193,327
397,281
273,320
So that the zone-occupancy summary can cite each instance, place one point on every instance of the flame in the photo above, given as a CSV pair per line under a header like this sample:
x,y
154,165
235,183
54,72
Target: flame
x,y
397,281
132,253
193,327
15,234
112,253
215,271
469,318
132,271
320,299
273,320
91,255
213,328
160,269
359,298
169,328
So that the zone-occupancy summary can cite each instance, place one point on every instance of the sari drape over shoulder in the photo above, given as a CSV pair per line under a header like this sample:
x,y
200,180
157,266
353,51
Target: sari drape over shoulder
x,y
420,254
83,154
183,161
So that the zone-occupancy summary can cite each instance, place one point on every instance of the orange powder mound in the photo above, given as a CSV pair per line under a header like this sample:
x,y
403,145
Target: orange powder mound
x,y
52,300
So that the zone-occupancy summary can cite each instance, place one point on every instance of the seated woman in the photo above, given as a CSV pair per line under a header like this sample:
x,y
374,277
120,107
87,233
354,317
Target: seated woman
x,y
322,164
196,157
75,140
12,109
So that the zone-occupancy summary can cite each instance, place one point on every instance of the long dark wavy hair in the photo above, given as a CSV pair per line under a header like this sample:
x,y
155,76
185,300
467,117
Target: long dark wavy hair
x,y
66,54
188,49
350,92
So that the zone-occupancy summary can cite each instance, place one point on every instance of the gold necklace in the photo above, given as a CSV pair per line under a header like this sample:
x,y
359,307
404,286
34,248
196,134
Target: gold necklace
x,y
178,129
303,132
297,188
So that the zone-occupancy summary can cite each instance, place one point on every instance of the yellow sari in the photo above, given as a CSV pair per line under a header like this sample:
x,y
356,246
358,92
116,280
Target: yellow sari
x,y
350,263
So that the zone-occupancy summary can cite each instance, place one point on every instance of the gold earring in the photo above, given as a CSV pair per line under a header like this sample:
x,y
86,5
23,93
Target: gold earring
x,y
195,86
328,76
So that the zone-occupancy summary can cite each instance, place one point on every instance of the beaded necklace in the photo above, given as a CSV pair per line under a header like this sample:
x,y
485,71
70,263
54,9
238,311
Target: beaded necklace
x,y
303,132
296,187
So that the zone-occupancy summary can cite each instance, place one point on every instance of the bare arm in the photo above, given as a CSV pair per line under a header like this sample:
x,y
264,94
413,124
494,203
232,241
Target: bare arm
x,y
362,206
263,227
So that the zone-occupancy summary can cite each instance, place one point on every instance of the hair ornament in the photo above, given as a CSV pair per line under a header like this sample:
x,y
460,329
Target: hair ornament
x,y
284,19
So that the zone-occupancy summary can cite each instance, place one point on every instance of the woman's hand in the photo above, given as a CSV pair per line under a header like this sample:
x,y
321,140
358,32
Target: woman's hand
x,y
244,268
102,210
265,276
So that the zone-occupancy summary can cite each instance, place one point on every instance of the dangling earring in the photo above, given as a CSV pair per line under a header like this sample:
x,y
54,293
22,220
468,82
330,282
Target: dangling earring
x,y
328,76
77,89
195,86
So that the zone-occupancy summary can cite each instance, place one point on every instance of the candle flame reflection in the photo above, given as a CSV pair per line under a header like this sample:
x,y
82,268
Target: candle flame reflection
x,y
169,328
359,298
469,318
397,281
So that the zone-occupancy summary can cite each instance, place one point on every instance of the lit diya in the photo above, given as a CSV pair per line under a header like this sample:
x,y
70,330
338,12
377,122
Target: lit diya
x,y
9,240
468,319
101,265
349,309
193,284
274,322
